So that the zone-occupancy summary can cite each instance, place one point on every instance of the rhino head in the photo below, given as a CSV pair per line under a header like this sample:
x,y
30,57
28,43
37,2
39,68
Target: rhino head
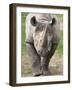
x,y
43,35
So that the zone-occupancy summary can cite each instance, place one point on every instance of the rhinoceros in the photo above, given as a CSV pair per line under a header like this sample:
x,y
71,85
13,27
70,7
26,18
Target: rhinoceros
x,y
42,38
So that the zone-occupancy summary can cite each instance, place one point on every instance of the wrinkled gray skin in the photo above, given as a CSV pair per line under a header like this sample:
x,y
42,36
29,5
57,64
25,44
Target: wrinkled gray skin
x,y
42,37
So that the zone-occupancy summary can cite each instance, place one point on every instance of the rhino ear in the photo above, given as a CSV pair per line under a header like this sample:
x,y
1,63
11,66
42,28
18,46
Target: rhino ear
x,y
33,21
53,21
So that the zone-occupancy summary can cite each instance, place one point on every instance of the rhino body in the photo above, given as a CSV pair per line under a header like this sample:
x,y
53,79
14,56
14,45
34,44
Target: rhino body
x,y
42,37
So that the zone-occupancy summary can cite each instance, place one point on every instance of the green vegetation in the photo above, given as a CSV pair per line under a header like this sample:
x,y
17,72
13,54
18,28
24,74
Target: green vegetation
x,y
23,35
60,16
60,45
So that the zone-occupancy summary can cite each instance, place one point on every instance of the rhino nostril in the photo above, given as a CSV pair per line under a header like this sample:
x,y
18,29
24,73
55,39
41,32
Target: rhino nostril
x,y
39,51
40,40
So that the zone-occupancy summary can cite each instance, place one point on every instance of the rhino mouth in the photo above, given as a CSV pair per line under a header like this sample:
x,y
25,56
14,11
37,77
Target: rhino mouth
x,y
43,53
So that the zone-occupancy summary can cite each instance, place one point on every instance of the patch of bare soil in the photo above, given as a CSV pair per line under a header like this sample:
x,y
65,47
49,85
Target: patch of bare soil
x,y
55,66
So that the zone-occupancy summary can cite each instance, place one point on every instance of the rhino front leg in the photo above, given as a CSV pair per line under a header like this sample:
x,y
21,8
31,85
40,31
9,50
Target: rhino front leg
x,y
45,60
35,60
44,66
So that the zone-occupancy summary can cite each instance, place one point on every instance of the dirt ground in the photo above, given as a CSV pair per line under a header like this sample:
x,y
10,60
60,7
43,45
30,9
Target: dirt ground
x,y
55,66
